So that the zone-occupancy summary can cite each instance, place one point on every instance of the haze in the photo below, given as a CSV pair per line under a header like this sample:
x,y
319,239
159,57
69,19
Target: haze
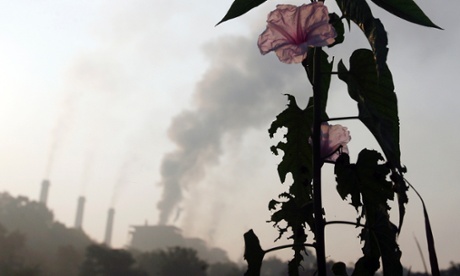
x,y
146,107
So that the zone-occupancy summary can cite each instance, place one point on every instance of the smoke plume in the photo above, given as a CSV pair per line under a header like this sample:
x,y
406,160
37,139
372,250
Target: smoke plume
x,y
59,132
240,90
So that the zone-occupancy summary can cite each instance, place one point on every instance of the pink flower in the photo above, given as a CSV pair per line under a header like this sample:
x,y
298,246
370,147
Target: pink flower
x,y
334,139
291,30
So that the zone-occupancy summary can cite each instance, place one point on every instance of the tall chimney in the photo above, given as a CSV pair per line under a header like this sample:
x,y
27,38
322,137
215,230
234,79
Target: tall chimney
x,y
80,209
44,191
109,227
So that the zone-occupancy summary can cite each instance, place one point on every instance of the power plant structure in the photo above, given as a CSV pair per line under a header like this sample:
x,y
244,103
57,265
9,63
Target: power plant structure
x,y
80,210
44,191
109,227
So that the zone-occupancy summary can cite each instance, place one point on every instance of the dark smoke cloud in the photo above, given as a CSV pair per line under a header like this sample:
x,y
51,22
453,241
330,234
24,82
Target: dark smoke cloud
x,y
240,90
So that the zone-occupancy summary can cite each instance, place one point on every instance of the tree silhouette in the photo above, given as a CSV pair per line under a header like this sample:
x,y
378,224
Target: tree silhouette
x,y
12,255
224,269
173,261
45,240
103,261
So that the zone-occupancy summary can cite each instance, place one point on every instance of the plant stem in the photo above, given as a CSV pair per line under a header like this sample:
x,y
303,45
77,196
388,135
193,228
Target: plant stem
x,y
343,118
286,246
346,222
317,164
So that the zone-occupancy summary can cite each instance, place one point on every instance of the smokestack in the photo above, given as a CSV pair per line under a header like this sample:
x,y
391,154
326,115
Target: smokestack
x,y
44,191
109,227
80,209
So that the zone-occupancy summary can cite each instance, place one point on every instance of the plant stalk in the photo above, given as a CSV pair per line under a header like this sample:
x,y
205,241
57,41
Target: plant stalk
x,y
317,164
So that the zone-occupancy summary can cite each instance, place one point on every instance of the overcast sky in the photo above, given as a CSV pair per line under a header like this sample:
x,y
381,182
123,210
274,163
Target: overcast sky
x,y
147,107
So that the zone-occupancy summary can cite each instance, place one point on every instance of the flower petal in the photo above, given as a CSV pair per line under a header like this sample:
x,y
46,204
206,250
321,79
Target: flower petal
x,y
291,30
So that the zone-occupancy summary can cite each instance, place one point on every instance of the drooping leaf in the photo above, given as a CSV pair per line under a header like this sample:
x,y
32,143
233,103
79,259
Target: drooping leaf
x,y
377,102
253,253
430,241
406,9
359,12
429,237
325,79
240,7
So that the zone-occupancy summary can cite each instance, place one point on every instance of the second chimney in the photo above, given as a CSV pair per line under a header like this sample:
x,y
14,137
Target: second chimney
x,y
79,215
109,227
44,191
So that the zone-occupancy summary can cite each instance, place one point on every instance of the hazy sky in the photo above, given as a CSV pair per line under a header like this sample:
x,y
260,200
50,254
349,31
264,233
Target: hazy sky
x,y
117,100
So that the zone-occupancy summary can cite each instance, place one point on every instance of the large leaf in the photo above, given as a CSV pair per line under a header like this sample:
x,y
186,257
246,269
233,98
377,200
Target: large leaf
x,y
377,103
378,110
368,179
296,209
297,158
240,7
359,12
376,191
406,9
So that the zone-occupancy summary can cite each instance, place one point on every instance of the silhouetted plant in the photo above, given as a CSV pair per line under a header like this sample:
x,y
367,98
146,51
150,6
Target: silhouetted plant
x,y
297,35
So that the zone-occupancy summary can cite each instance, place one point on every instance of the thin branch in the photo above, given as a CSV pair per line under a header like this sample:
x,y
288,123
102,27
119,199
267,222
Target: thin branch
x,y
346,222
286,246
343,118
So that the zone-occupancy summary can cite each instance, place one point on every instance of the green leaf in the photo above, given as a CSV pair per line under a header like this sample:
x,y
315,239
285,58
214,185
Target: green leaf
x,y
359,12
240,7
406,9
253,253
377,103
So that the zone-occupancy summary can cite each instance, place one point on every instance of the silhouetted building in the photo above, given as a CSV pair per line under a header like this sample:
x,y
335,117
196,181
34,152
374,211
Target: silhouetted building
x,y
151,237
154,237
